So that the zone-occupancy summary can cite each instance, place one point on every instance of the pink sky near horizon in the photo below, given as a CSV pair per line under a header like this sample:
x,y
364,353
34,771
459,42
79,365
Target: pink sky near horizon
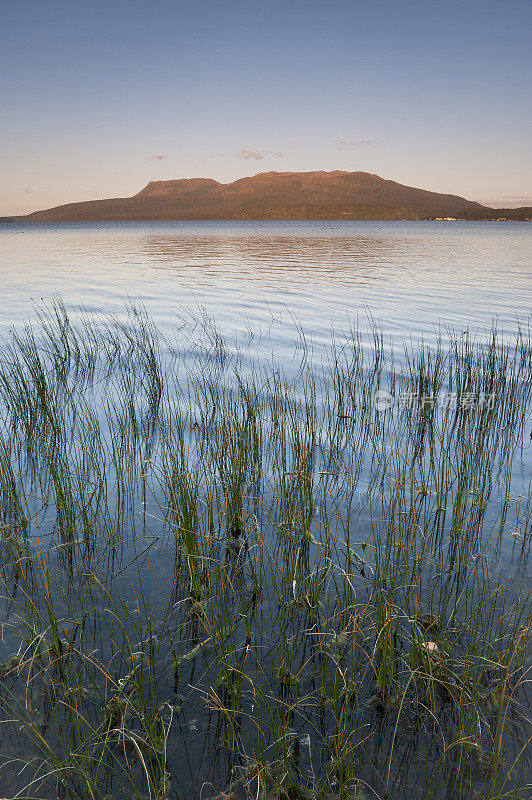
x,y
97,101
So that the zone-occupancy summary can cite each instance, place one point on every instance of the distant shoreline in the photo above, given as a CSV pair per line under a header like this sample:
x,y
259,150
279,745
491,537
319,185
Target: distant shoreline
x,y
25,221
278,196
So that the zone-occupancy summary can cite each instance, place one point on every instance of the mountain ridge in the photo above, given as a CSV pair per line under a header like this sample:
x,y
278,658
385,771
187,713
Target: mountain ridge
x,y
269,195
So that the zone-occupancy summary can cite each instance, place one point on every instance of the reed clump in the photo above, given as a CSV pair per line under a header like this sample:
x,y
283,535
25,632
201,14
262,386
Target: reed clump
x,y
228,577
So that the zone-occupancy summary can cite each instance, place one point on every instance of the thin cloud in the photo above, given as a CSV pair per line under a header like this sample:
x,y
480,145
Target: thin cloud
x,y
258,155
508,201
249,154
156,158
343,143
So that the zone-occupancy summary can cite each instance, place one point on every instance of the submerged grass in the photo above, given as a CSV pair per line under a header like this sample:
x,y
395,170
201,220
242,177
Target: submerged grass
x,y
222,577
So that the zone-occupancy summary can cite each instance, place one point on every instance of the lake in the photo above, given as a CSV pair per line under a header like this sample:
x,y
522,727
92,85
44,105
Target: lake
x,y
410,275
265,510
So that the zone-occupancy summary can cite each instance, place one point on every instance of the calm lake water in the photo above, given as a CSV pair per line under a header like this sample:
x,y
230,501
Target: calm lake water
x,y
264,284
411,276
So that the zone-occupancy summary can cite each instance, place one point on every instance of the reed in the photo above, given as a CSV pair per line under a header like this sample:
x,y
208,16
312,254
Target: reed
x,y
224,576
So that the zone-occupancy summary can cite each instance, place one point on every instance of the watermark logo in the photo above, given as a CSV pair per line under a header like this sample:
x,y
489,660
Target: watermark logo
x,y
383,400
410,401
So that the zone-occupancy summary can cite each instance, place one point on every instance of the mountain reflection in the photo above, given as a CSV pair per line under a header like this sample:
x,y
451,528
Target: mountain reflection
x,y
284,258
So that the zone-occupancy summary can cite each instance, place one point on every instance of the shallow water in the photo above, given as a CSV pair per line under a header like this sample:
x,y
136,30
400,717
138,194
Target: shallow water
x,y
278,280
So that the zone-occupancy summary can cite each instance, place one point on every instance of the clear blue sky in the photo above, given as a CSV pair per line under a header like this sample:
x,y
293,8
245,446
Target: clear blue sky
x,y
432,94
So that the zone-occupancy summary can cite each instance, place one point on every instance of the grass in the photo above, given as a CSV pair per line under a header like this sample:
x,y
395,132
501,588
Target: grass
x,y
223,576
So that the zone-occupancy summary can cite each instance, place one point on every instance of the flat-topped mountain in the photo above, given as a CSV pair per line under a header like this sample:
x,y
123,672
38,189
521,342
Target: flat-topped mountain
x,y
269,195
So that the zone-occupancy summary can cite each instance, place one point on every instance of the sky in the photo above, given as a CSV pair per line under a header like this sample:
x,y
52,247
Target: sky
x,y
98,98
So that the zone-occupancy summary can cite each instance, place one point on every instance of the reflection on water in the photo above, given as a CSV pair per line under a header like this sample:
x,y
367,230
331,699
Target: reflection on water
x,y
261,639
307,258
410,275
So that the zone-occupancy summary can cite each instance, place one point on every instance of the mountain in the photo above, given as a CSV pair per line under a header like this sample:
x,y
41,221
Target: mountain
x,y
268,195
